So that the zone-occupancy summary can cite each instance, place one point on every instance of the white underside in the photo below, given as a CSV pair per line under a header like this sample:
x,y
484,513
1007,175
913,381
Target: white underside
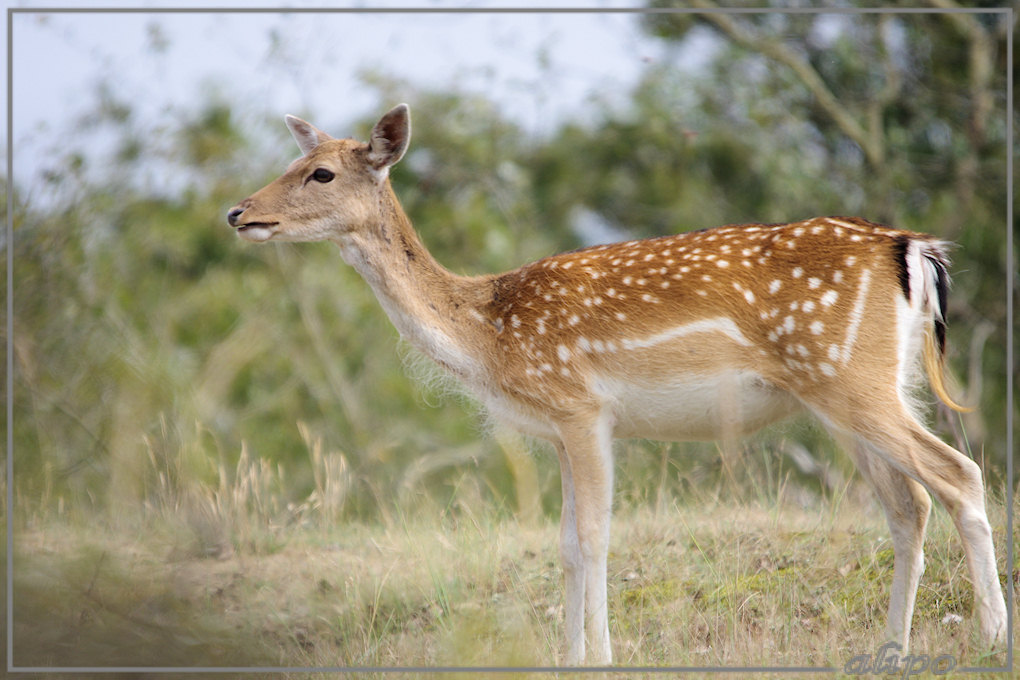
x,y
687,408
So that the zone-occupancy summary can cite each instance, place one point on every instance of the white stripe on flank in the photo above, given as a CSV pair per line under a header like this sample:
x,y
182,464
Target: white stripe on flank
x,y
840,223
717,325
855,315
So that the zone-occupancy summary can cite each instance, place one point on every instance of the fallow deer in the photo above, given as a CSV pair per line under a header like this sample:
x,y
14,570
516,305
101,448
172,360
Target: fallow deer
x,y
702,335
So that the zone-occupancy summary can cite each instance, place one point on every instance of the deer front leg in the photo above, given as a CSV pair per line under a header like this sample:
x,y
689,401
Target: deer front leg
x,y
587,454
573,566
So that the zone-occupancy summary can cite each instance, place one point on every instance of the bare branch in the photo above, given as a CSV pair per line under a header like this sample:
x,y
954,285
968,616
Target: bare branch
x,y
890,90
870,144
981,58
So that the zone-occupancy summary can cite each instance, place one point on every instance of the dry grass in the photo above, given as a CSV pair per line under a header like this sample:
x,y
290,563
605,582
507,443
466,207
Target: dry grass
x,y
220,569
704,585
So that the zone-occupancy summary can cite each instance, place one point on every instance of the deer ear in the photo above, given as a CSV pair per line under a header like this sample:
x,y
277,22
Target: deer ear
x,y
307,135
390,137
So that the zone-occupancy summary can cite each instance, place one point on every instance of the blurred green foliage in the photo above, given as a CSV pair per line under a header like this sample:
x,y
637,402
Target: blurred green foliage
x,y
151,346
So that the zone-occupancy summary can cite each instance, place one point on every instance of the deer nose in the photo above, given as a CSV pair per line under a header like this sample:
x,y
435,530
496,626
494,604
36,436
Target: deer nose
x,y
233,216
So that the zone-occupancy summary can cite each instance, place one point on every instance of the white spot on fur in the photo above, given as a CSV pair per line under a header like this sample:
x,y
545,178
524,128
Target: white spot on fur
x,y
563,353
797,272
829,298
774,286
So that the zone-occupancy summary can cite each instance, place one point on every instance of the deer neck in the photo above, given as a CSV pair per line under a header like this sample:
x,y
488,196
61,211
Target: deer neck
x,y
432,308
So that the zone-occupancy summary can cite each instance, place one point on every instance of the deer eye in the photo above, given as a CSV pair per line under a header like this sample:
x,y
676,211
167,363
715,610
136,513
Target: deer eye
x,y
322,175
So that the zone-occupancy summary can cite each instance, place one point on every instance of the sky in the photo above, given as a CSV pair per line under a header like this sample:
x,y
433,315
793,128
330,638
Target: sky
x,y
540,68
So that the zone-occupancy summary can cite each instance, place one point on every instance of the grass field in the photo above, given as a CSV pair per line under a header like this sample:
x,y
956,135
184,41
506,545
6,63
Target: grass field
x,y
704,584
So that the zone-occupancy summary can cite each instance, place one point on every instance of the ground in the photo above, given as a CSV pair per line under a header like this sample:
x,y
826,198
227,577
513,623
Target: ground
x,y
702,586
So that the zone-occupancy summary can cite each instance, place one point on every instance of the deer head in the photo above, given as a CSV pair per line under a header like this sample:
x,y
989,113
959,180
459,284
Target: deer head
x,y
331,190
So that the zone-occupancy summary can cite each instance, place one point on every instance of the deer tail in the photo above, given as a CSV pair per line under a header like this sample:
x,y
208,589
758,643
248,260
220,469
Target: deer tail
x,y
936,291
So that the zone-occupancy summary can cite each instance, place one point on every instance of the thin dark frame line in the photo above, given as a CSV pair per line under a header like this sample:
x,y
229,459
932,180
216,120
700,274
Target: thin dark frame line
x,y
423,669
510,10
1010,355
1008,11
9,384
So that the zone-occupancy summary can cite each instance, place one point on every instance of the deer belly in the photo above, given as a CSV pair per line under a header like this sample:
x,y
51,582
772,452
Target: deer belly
x,y
695,407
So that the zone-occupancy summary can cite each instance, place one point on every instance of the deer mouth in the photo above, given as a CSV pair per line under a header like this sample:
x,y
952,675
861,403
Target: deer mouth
x,y
257,231
256,225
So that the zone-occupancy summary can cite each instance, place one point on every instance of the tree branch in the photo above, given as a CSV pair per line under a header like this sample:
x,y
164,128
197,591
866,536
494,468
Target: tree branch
x,y
889,92
981,58
870,144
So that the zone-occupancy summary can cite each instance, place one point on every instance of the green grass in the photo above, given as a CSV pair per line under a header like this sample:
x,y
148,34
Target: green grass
x,y
712,583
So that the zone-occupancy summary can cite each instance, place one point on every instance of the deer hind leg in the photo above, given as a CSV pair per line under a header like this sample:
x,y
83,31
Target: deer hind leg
x,y
955,481
586,467
906,505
